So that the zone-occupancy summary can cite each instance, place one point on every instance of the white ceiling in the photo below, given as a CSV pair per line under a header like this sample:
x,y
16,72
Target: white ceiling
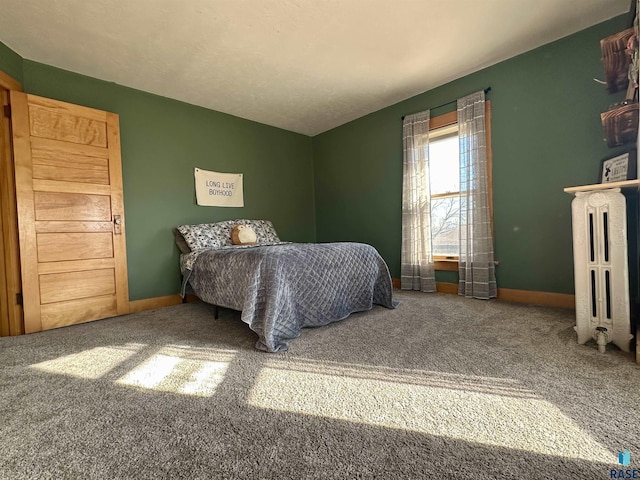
x,y
302,65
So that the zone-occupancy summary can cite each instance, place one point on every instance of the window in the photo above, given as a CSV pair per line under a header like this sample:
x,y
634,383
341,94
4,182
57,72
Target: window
x,y
444,175
444,172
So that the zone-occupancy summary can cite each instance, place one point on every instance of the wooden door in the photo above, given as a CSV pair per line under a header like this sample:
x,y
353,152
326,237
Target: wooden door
x,y
70,212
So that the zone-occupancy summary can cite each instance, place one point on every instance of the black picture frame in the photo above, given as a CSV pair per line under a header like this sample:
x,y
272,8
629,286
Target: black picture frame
x,y
619,168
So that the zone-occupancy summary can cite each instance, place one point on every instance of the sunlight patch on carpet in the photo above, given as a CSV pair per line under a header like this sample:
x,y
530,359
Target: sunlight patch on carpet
x,y
90,364
182,370
488,411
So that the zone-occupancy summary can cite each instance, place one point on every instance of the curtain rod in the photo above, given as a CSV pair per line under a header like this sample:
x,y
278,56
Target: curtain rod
x,y
486,90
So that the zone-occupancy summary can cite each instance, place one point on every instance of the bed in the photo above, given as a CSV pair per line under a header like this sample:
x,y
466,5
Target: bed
x,y
281,287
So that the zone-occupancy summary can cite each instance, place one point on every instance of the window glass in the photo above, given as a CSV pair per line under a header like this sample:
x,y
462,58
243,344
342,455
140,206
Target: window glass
x,y
444,164
445,225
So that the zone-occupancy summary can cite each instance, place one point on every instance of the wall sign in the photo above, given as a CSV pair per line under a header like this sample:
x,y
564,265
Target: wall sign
x,y
620,168
216,189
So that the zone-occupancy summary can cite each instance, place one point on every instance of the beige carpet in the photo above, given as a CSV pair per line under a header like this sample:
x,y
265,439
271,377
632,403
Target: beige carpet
x,y
441,387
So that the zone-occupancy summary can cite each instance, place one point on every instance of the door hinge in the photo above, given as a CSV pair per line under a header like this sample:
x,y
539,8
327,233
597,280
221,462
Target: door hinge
x,y
7,111
19,298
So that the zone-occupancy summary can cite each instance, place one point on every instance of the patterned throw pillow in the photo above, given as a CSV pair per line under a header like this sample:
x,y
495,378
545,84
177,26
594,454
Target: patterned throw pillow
x,y
200,236
218,235
265,233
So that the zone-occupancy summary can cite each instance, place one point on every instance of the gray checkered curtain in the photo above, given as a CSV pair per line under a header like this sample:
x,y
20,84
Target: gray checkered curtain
x,y
476,266
417,268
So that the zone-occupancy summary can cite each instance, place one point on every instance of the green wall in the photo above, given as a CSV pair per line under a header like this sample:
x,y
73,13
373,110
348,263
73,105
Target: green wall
x,y
10,62
546,135
162,141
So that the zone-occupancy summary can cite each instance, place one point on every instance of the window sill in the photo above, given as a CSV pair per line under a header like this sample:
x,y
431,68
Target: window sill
x,y
446,264
451,264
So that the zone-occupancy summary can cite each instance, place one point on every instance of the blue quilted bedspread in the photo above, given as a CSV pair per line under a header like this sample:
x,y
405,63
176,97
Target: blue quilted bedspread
x,y
284,287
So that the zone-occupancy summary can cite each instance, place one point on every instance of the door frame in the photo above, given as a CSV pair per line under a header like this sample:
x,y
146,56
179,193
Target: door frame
x,y
11,319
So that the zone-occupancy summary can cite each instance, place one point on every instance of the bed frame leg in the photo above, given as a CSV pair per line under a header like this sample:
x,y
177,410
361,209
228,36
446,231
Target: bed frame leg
x,y
215,312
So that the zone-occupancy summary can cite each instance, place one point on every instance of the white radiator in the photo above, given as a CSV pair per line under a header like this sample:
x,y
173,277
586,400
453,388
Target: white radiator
x,y
600,267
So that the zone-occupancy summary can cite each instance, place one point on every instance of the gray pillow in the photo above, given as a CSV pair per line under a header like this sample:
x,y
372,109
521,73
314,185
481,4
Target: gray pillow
x,y
181,242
